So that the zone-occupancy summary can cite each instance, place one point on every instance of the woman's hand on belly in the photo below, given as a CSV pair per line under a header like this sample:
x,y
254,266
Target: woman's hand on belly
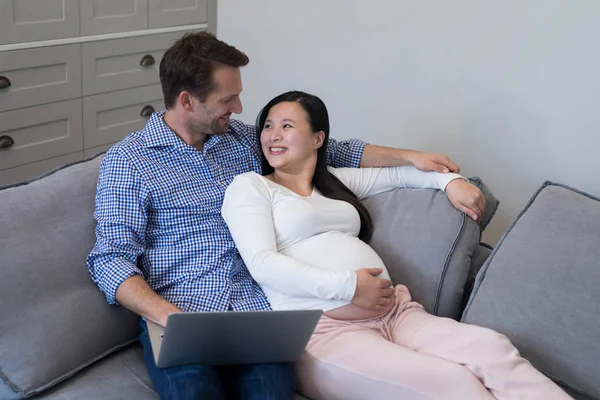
x,y
372,293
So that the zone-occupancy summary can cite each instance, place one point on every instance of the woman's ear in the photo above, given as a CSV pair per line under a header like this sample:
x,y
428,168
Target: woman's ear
x,y
319,139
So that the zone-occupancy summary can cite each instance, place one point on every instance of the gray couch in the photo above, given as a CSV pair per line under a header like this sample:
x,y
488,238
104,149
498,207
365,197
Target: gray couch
x,y
59,339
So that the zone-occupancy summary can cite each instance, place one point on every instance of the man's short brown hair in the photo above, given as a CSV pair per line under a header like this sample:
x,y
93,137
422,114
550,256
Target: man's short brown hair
x,y
189,64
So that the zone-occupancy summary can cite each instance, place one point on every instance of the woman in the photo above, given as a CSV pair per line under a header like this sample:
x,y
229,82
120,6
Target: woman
x,y
302,232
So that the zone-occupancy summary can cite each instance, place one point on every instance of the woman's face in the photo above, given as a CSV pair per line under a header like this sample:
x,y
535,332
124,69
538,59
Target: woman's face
x,y
287,139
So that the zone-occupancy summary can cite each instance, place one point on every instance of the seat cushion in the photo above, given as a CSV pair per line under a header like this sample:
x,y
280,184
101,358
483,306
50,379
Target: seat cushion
x,y
53,321
540,286
120,376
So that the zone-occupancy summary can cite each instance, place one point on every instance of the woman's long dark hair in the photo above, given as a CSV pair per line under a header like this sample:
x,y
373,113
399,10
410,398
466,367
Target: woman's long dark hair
x,y
323,180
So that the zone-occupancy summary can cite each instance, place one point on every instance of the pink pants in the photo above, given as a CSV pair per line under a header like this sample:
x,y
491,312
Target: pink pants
x,y
409,354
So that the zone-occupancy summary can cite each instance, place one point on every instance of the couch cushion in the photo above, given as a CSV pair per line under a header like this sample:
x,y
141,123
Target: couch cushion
x,y
540,286
53,319
426,244
482,252
121,375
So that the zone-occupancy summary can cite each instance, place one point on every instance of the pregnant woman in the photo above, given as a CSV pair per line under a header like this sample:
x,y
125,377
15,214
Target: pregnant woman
x,y
302,232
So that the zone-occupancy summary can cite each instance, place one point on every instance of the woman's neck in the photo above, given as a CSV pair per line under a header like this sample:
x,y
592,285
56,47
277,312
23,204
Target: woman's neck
x,y
299,182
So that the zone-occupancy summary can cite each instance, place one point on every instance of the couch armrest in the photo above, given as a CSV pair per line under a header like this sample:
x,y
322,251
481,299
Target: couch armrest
x,y
426,244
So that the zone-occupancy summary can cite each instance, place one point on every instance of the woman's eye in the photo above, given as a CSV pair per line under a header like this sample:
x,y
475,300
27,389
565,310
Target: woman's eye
x,y
287,126
267,126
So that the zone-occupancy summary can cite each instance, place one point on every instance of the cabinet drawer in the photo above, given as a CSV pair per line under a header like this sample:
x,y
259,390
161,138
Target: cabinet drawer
x,y
25,172
109,117
29,20
41,132
123,63
42,75
106,16
162,13
94,151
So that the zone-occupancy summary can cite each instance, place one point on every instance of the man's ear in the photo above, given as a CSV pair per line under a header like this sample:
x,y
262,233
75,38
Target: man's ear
x,y
319,139
186,100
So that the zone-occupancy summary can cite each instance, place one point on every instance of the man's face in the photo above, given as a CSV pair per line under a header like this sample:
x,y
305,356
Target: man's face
x,y
212,115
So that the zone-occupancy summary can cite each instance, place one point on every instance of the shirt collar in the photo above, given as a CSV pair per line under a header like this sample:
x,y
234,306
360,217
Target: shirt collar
x,y
158,134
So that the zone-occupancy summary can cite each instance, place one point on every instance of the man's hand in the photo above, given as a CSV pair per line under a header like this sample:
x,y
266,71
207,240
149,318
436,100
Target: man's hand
x,y
371,292
380,156
467,198
135,294
427,162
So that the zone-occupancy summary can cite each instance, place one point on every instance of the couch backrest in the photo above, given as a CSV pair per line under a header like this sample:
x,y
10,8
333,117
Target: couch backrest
x,y
54,320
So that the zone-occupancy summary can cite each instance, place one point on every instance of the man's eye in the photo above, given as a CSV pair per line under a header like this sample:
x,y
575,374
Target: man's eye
x,y
225,101
287,126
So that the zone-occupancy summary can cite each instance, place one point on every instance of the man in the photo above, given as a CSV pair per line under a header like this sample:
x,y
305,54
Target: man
x,y
162,246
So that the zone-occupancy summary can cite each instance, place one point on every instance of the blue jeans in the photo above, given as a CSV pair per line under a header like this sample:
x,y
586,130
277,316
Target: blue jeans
x,y
248,382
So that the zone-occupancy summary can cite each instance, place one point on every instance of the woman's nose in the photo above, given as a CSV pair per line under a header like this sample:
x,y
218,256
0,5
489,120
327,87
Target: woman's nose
x,y
270,136
276,135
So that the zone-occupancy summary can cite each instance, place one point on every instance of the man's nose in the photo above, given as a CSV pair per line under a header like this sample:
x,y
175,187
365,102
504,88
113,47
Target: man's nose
x,y
236,106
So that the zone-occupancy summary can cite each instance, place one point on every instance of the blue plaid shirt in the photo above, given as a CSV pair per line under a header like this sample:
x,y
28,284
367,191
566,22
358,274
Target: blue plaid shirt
x,y
158,208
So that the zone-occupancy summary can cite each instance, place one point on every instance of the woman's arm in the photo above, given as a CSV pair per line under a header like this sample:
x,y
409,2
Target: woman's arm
x,y
365,182
247,209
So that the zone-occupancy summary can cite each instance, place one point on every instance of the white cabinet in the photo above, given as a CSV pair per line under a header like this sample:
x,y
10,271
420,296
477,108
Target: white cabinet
x,y
163,13
106,16
124,63
28,171
32,20
40,132
109,117
75,78
41,75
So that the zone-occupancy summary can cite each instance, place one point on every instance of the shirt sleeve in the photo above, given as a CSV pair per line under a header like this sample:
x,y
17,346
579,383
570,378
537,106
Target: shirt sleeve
x,y
247,209
346,153
247,135
365,182
121,217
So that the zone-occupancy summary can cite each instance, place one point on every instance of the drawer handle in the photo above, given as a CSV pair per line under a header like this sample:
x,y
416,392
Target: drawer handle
x,y
147,61
4,82
147,111
6,142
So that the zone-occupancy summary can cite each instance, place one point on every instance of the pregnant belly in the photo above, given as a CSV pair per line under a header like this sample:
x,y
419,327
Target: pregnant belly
x,y
339,251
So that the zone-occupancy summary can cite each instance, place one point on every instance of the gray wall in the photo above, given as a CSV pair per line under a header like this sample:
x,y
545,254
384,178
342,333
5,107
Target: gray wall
x,y
509,89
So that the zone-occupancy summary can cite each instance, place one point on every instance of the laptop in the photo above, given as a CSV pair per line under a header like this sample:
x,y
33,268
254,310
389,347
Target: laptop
x,y
232,337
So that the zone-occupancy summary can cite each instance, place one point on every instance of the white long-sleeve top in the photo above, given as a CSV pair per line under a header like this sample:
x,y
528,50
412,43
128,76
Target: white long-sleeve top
x,y
304,251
